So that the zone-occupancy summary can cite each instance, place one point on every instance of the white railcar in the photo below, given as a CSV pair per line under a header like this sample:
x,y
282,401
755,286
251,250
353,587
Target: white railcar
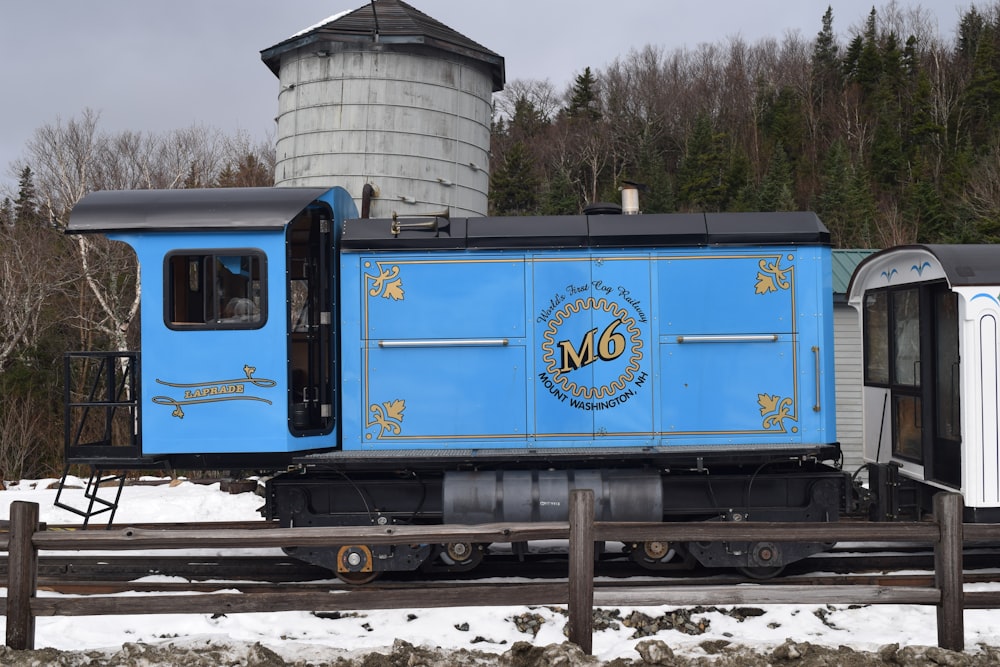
x,y
929,319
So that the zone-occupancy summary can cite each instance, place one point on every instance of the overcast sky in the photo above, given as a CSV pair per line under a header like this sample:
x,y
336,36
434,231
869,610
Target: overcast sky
x,y
159,65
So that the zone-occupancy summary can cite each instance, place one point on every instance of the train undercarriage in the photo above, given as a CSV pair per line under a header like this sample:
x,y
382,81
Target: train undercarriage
x,y
334,494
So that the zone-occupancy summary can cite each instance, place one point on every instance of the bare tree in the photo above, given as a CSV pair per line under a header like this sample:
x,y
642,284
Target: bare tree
x,y
26,440
71,159
191,158
540,93
65,158
30,274
981,197
74,157
904,21
893,226
635,103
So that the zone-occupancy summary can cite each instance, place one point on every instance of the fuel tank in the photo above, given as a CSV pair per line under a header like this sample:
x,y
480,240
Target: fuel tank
x,y
543,495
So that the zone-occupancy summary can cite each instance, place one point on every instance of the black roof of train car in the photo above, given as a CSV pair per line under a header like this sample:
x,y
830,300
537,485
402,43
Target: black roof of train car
x,y
232,209
581,231
212,209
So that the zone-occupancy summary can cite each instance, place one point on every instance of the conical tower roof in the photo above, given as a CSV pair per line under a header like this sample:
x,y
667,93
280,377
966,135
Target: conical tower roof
x,y
389,22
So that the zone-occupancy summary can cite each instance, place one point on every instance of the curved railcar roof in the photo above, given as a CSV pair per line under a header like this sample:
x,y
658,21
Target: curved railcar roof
x,y
595,231
204,209
962,264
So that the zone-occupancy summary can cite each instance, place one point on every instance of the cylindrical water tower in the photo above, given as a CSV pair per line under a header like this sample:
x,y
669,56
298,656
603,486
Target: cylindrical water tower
x,y
385,96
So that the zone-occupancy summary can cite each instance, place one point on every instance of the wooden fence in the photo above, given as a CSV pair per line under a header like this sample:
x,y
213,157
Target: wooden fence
x,y
947,534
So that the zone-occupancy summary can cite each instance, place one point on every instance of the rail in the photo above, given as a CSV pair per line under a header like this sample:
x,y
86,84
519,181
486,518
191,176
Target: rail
x,y
947,534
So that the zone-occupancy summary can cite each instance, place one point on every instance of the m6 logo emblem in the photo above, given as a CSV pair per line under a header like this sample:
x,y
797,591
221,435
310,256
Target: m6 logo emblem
x,y
610,346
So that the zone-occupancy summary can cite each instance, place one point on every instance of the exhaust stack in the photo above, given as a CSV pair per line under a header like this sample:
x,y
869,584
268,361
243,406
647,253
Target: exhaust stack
x,y
630,198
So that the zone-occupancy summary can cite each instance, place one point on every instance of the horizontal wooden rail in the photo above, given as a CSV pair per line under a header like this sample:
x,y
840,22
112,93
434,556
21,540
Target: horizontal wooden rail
x,y
144,538
25,540
763,594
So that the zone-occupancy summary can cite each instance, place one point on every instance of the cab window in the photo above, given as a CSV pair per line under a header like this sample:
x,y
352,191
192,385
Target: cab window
x,y
215,290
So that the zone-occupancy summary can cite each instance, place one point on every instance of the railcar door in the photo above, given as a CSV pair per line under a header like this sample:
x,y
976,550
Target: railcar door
x,y
442,358
215,387
728,355
911,350
311,310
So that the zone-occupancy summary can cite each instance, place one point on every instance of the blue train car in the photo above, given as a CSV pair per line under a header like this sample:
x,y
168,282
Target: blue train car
x,y
226,370
433,369
640,334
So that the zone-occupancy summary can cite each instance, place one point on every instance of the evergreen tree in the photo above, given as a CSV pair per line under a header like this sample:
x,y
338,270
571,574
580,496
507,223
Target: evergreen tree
x,y
583,97
658,197
784,122
922,203
701,183
921,129
843,202
970,31
26,204
981,98
7,213
248,172
827,75
911,57
869,65
852,56
514,185
742,188
528,120
226,178
776,187
560,195
193,178
887,151
824,55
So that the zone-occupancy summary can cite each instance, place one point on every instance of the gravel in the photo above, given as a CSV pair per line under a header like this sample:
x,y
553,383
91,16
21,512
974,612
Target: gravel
x,y
201,653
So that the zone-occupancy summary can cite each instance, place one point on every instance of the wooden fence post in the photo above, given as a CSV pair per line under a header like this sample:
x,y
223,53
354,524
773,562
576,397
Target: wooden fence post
x,y
581,569
22,575
948,571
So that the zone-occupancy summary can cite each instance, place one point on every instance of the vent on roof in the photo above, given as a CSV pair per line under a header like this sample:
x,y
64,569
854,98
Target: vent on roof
x,y
602,208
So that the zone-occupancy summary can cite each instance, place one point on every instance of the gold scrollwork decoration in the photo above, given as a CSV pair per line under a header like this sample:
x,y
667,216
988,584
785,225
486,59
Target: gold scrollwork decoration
x,y
388,416
387,283
775,410
214,391
772,277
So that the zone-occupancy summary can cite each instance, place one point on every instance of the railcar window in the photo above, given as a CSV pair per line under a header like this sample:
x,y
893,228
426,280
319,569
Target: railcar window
x,y
906,333
215,290
948,403
299,296
907,440
876,338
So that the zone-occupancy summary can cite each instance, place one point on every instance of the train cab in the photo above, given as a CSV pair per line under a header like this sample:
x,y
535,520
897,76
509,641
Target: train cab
x,y
238,316
929,317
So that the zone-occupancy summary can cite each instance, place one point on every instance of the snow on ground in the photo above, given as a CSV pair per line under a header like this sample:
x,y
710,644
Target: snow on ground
x,y
308,638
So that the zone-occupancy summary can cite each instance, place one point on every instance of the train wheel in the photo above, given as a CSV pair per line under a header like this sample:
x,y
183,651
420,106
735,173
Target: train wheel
x,y
656,555
455,557
761,573
463,553
354,565
358,578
